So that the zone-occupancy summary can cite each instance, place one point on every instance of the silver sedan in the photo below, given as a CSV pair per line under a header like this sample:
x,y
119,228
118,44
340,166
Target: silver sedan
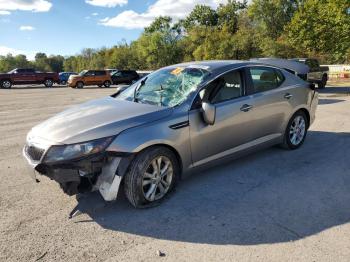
x,y
169,123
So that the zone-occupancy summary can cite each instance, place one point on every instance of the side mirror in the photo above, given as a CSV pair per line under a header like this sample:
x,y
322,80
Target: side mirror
x,y
209,113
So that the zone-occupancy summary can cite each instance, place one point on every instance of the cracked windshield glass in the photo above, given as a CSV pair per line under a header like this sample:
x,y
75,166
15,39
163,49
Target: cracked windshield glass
x,y
167,87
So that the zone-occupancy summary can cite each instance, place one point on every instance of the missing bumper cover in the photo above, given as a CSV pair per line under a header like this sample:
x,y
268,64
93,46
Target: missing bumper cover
x,y
101,172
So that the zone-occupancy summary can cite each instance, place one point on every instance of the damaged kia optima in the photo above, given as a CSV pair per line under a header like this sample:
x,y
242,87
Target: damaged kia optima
x,y
167,124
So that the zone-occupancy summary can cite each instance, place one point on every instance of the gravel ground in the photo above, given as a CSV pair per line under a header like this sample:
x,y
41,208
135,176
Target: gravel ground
x,y
274,205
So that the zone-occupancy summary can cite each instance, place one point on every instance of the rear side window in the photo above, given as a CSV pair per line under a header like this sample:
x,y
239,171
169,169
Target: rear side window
x,y
265,78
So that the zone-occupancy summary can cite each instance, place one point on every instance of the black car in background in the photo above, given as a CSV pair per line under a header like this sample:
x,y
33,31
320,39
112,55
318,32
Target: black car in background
x,y
124,77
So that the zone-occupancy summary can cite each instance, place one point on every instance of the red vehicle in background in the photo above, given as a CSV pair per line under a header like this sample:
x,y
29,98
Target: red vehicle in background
x,y
21,76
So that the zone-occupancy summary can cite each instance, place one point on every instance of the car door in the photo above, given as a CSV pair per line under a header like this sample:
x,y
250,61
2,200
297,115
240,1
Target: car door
x,y
32,77
232,126
270,102
20,76
89,77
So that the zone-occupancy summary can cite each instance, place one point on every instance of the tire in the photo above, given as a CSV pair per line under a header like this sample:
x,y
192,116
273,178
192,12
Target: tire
x,y
63,82
107,83
6,84
143,183
48,83
296,131
323,82
79,84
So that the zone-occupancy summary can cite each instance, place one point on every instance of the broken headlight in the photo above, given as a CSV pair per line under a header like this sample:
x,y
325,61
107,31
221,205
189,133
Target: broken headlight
x,y
74,151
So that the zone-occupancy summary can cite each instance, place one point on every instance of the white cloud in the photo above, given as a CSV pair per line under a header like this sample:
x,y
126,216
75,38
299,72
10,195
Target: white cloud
x,y
107,3
26,28
94,14
177,9
3,12
4,50
25,5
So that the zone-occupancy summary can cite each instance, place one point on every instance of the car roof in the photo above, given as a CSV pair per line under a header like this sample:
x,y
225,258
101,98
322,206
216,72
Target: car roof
x,y
220,66
211,65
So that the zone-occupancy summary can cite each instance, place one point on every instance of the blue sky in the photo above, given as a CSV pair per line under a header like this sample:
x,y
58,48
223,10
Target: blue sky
x,y
66,26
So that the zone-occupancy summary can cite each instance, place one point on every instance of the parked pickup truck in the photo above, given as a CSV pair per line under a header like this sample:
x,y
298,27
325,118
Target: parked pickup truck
x,y
317,74
20,76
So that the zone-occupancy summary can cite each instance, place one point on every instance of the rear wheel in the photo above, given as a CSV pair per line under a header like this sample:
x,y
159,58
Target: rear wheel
x,y
48,83
63,82
80,84
107,83
323,82
296,131
151,176
6,84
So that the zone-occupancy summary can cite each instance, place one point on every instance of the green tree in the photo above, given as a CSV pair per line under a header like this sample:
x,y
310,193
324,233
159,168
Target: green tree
x,y
228,14
322,28
272,16
160,24
201,15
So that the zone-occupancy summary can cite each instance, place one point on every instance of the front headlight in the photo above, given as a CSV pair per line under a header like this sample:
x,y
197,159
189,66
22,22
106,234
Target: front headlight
x,y
74,151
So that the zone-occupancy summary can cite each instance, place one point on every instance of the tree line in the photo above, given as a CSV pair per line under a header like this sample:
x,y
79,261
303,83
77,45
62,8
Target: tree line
x,y
235,30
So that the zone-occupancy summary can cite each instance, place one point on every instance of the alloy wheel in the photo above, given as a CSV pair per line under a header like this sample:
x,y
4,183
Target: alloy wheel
x,y
297,130
157,178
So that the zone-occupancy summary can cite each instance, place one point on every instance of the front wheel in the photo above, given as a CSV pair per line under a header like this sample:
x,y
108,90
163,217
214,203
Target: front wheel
x,y
296,131
6,84
80,84
48,83
151,176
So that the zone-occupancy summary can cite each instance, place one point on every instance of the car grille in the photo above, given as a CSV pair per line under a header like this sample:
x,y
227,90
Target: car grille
x,y
34,152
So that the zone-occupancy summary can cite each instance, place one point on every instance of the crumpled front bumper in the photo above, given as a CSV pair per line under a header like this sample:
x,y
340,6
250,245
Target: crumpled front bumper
x,y
103,172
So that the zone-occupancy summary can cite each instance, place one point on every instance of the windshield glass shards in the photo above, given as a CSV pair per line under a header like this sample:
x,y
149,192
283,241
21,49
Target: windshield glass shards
x,y
166,87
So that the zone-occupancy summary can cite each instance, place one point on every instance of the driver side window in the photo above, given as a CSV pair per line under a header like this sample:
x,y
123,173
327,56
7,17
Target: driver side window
x,y
226,87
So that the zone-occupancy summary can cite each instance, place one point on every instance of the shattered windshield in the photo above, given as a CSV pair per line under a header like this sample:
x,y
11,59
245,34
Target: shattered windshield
x,y
166,87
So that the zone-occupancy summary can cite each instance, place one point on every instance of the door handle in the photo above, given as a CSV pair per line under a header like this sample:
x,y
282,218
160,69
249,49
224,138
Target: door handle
x,y
288,96
246,108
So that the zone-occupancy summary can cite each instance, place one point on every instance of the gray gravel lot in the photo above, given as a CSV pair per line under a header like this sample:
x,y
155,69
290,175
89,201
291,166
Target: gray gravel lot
x,y
274,205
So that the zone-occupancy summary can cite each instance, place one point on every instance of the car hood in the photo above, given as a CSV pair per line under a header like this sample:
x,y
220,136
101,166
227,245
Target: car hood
x,y
74,77
96,119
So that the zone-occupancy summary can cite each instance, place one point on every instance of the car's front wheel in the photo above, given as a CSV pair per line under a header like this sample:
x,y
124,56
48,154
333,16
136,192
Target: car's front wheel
x,y
296,131
6,84
80,84
151,176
